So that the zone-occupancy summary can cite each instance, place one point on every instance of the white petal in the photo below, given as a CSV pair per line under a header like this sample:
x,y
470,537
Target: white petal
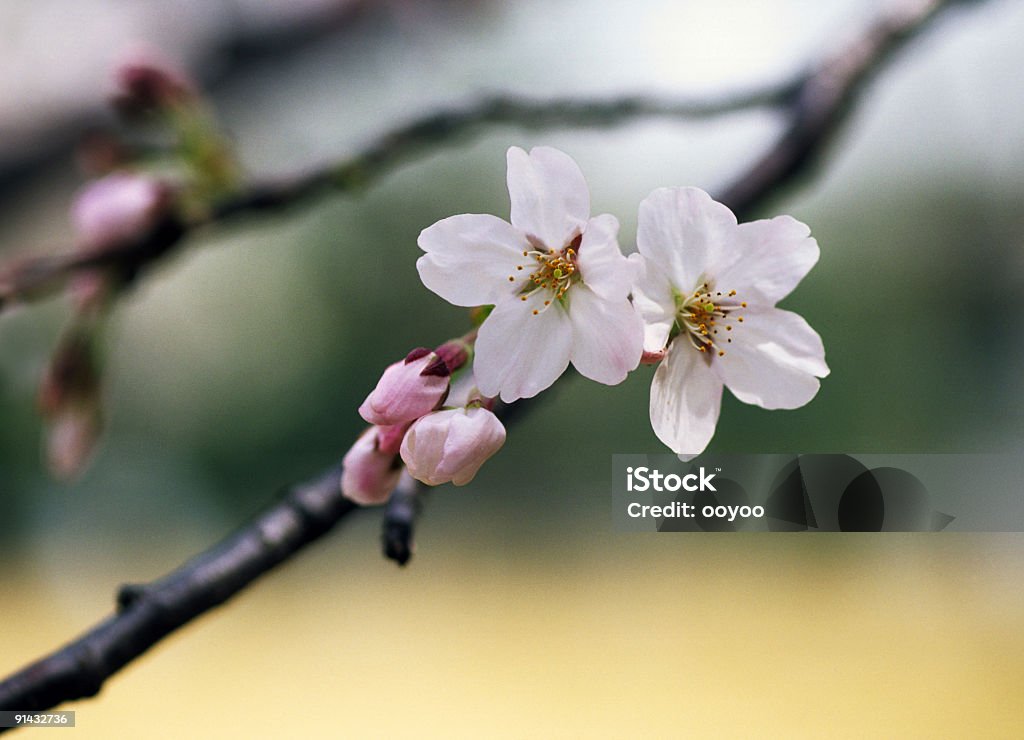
x,y
549,196
423,446
481,434
683,231
771,257
686,397
653,298
774,360
656,335
470,258
607,336
519,353
602,265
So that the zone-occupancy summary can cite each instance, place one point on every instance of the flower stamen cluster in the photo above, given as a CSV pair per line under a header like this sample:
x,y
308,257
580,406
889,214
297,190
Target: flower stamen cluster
x,y
556,274
704,314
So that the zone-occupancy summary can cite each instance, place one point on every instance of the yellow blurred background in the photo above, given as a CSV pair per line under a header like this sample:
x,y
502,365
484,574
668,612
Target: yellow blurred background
x,y
629,636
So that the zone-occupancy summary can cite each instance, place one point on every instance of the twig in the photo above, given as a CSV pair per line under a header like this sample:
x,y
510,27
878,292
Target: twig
x,y
400,519
149,613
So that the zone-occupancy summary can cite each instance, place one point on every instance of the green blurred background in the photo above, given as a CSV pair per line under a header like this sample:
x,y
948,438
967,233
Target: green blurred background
x,y
237,365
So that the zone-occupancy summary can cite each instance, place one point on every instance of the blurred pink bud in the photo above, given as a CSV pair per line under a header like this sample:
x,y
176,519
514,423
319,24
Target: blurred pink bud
x,y
368,476
71,440
69,397
145,82
407,390
451,445
117,208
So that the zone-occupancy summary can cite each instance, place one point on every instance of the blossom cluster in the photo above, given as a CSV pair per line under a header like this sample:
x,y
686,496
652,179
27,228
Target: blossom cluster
x,y
411,428
698,298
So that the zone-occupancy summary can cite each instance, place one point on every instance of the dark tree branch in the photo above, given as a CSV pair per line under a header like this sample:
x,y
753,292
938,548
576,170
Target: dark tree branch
x,y
148,613
400,519
824,98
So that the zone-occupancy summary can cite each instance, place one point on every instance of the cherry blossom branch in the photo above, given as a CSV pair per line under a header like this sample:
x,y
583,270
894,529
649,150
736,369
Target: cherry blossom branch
x,y
36,278
824,97
815,103
146,614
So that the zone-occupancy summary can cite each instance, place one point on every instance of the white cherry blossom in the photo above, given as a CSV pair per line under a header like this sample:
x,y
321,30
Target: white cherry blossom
x,y
557,280
707,288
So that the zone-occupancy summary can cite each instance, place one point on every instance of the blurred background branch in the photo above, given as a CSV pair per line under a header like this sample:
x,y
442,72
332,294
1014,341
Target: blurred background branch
x,y
34,278
816,104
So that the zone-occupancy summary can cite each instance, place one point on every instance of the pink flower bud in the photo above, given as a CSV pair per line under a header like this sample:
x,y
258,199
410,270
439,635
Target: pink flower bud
x,y
71,440
368,476
117,208
407,390
69,398
389,439
451,445
145,82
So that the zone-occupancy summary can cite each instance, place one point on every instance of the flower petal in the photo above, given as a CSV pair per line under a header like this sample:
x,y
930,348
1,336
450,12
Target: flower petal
x,y
470,258
550,200
774,360
602,265
607,336
771,257
652,296
683,231
686,397
520,353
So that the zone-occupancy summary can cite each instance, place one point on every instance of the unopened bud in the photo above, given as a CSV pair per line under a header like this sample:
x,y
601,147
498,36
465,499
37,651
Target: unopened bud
x,y
407,390
69,397
451,445
368,475
71,440
117,208
389,439
144,83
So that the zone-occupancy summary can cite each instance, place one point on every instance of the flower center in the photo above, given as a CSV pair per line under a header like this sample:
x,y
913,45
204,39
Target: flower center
x,y
555,272
706,316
